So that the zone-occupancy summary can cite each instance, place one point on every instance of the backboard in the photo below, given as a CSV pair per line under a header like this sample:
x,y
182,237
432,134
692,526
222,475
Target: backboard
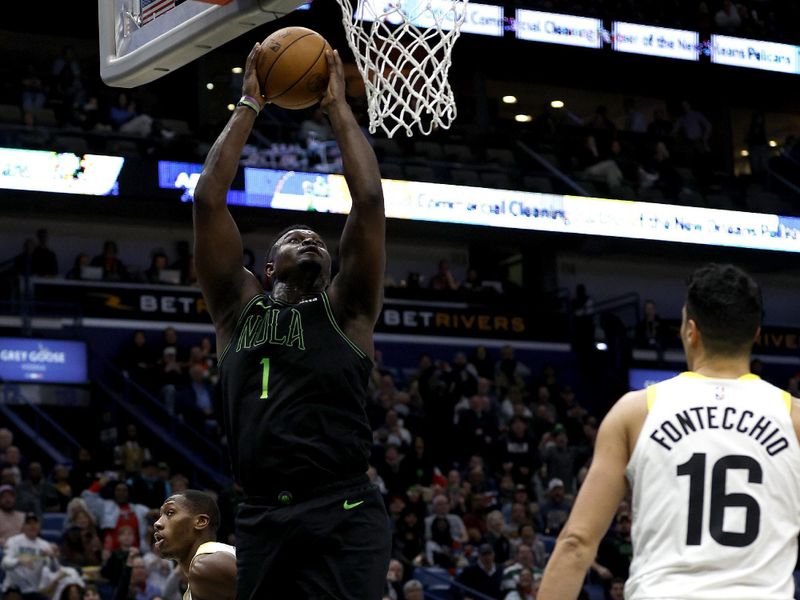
x,y
142,40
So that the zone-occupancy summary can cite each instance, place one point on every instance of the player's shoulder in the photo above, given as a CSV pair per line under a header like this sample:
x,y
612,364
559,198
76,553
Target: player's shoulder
x,y
624,421
213,576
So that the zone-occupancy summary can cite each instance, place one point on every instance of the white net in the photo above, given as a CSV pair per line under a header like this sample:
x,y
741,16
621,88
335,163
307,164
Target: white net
x,y
403,52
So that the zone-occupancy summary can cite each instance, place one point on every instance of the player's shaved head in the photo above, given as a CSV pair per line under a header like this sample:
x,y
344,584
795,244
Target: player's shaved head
x,y
200,503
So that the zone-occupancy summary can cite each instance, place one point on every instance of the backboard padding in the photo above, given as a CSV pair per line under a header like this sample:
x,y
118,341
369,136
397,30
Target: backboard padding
x,y
131,55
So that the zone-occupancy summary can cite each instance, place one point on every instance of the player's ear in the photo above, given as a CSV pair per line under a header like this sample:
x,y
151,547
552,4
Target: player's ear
x,y
693,335
757,336
201,521
269,272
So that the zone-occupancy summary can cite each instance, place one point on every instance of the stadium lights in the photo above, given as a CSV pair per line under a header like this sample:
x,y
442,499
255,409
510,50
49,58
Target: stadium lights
x,y
557,104
509,99
773,144
523,118
237,70
602,346
745,153
231,107
209,86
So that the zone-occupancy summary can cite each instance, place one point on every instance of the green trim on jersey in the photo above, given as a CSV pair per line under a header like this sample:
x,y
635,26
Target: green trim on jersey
x,y
332,319
242,314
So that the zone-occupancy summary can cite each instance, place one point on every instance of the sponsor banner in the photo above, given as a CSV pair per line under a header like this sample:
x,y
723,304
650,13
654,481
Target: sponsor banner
x,y
481,19
59,172
754,54
655,41
43,360
638,379
553,28
126,301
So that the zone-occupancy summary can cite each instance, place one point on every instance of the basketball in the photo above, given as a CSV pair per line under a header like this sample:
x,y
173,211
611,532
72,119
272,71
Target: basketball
x,y
292,67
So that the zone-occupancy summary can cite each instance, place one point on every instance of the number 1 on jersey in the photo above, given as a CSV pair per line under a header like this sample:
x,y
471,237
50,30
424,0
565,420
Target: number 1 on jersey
x,y
264,378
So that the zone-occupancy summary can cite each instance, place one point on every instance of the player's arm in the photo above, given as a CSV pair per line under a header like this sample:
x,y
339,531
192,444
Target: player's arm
x,y
218,249
357,290
213,577
598,499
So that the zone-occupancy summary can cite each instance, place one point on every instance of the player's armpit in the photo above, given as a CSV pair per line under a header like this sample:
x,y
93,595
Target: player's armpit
x,y
213,577
597,501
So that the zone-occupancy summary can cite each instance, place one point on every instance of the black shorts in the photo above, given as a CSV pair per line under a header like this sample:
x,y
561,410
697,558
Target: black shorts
x,y
332,546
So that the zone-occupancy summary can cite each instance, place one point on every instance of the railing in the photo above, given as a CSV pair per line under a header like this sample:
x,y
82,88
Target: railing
x,y
36,431
552,169
206,456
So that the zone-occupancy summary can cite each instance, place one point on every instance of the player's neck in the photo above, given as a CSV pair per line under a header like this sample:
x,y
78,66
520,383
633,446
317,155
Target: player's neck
x,y
721,367
291,292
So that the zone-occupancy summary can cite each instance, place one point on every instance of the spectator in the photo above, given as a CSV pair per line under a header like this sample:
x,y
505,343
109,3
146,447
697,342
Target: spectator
x,y
11,520
562,459
483,576
169,378
196,402
130,455
477,428
91,593
441,510
133,584
441,547
617,589
413,590
137,359
43,261
81,541
483,363
39,492
60,479
61,583
394,580
409,537
113,515
6,440
660,127
146,487
113,267
524,561
556,508
157,264
81,260
418,467
443,278
634,118
34,94
25,557
650,332
598,165
616,550
693,127
727,17
758,146
13,461
509,371
527,586
23,262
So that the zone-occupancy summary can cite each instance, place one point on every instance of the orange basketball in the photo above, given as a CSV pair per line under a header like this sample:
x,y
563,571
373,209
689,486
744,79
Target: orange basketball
x,y
292,67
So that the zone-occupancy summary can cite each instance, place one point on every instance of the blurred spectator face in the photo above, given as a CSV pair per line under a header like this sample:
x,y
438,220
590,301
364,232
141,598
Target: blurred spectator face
x,y
480,352
543,393
391,419
125,537
91,594
396,505
121,493
518,513
138,571
527,534
197,374
395,572
196,354
454,478
557,494
624,524
31,528
476,403
7,500
562,440
477,477
419,445
425,362
6,439
81,519
205,346
72,592
519,427
484,386
525,556
495,521
525,578
487,560
139,338
7,476
170,336
649,310
13,456
160,261
441,505
179,483
35,472
617,591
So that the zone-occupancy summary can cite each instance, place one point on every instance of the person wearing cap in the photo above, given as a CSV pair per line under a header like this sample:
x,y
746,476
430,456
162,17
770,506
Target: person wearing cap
x,y
482,576
25,557
413,590
555,508
11,520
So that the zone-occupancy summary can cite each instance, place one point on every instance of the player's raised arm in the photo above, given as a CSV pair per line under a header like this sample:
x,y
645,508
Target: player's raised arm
x,y
597,501
357,290
225,283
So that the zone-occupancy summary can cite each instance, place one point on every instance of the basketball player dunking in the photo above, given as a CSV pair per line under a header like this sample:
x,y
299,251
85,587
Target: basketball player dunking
x,y
185,532
713,460
294,367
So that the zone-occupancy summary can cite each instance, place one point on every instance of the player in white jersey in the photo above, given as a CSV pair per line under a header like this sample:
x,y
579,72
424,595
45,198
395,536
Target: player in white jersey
x,y
713,462
186,532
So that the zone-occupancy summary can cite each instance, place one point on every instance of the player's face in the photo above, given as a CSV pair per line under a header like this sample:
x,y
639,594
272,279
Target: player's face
x,y
174,528
299,247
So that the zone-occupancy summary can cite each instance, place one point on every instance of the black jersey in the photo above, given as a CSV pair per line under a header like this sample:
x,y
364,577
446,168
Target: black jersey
x,y
294,391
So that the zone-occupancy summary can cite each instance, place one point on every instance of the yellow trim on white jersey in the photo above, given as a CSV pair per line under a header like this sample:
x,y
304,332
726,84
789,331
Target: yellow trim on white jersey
x,y
208,548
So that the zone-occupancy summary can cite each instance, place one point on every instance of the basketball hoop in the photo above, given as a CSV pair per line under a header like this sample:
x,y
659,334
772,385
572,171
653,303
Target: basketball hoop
x,y
403,52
